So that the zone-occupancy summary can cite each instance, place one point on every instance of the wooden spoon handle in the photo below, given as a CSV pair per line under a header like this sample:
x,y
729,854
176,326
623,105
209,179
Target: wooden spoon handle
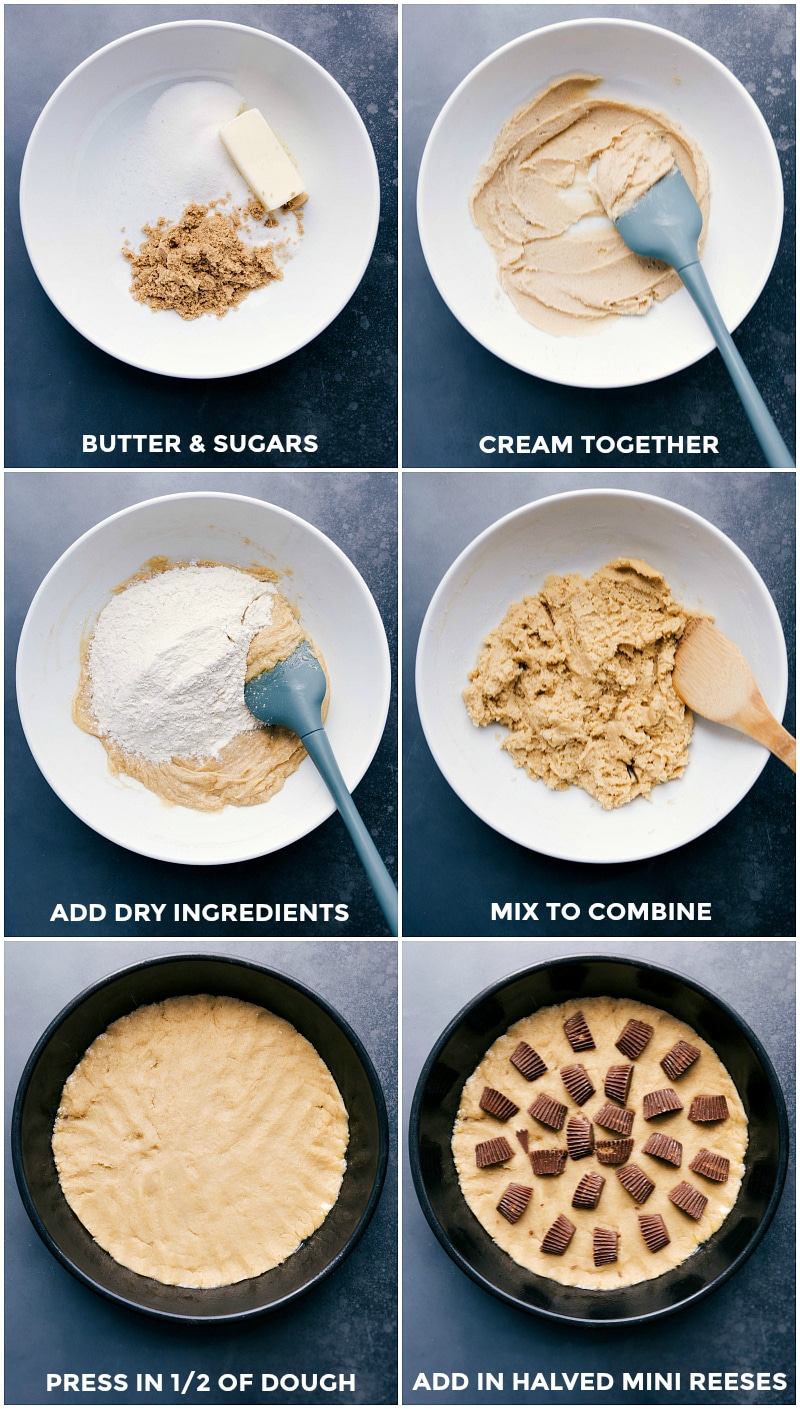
x,y
755,719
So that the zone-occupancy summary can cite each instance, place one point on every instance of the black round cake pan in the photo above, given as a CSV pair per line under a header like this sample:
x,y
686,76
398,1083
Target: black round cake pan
x,y
61,1047
460,1049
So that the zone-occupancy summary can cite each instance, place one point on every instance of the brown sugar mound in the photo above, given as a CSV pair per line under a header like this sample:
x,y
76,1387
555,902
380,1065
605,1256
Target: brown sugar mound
x,y
199,264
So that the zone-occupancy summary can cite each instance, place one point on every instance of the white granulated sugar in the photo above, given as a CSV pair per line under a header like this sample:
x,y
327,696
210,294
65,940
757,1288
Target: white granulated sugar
x,y
168,659
181,149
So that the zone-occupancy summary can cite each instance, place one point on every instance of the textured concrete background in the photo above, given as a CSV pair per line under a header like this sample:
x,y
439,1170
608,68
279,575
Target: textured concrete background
x,y
455,391
449,1323
745,865
50,854
347,1323
342,386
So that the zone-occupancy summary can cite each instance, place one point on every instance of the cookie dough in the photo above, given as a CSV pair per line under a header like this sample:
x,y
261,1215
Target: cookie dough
x,y
616,1210
581,675
630,167
201,1140
249,769
535,203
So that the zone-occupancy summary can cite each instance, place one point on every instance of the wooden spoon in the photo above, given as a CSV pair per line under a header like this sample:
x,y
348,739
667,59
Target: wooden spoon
x,y
713,678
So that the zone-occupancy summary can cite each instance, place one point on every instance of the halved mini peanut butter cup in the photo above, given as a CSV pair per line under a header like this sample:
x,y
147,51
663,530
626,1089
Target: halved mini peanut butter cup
x,y
580,1137
618,1082
613,1151
688,1199
497,1104
527,1061
616,1118
576,1079
661,1102
523,1137
605,1243
588,1191
514,1202
578,1035
548,1112
664,1147
711,1166
558,1236
654,1231
634,1038
679,1058
705,1109
548,1162
636,1183
492,1152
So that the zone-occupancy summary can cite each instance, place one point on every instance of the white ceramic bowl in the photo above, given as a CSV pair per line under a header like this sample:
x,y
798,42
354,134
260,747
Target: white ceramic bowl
x,y
334,603
579,532
641,65
70,188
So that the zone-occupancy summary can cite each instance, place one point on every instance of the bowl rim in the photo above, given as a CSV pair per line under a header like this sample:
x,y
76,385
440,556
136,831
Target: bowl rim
x,y
223,960
630,962
142,363
384,663
438,607
593,22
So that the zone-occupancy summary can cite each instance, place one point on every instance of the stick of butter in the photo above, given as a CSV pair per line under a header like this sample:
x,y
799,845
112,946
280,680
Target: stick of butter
x,y
262,161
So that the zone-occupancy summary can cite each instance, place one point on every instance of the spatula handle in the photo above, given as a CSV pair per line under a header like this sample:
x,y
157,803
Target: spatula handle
x,y
776,452
318,746
757,721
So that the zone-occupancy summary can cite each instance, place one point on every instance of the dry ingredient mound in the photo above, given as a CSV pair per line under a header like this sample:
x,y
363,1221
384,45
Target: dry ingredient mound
x,y
581,675
199,264
162,683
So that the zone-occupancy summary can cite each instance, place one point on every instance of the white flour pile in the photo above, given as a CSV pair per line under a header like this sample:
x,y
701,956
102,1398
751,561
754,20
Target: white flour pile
x,y
168,659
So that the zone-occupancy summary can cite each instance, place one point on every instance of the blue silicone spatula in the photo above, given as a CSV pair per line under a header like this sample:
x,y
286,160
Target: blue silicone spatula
x,y
665,223
291,694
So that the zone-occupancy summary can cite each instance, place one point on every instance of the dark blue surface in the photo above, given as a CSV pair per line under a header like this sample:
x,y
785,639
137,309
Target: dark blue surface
x,y
341,387
455,391
450,1324
347,1324
53,857
745,866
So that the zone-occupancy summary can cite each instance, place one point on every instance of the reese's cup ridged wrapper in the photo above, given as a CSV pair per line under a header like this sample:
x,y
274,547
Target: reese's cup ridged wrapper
x,y
613,1151
635,1182
558,1236
588,1191
576,1080
547,1162
580,1137
497,1104
654,1231
605,1243
548,1112
705,1109
527,1061
578,1035
711,1166
616,1118
514,1202
492,1152
688,1199
618,1082
664,1147
661,1102
634,1038
679,1058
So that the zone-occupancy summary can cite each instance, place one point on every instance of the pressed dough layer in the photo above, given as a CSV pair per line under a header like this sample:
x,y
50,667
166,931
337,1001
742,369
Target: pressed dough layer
x,y
253,767
535,203
201,1140
483,1188
581,675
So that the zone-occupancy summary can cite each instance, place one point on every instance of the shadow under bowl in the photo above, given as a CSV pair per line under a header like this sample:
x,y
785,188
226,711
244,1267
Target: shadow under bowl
x,y
458,1052
60,1049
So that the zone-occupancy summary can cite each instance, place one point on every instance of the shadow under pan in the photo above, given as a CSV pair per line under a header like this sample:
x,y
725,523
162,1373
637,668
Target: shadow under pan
x,y
458,1052
60,1049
